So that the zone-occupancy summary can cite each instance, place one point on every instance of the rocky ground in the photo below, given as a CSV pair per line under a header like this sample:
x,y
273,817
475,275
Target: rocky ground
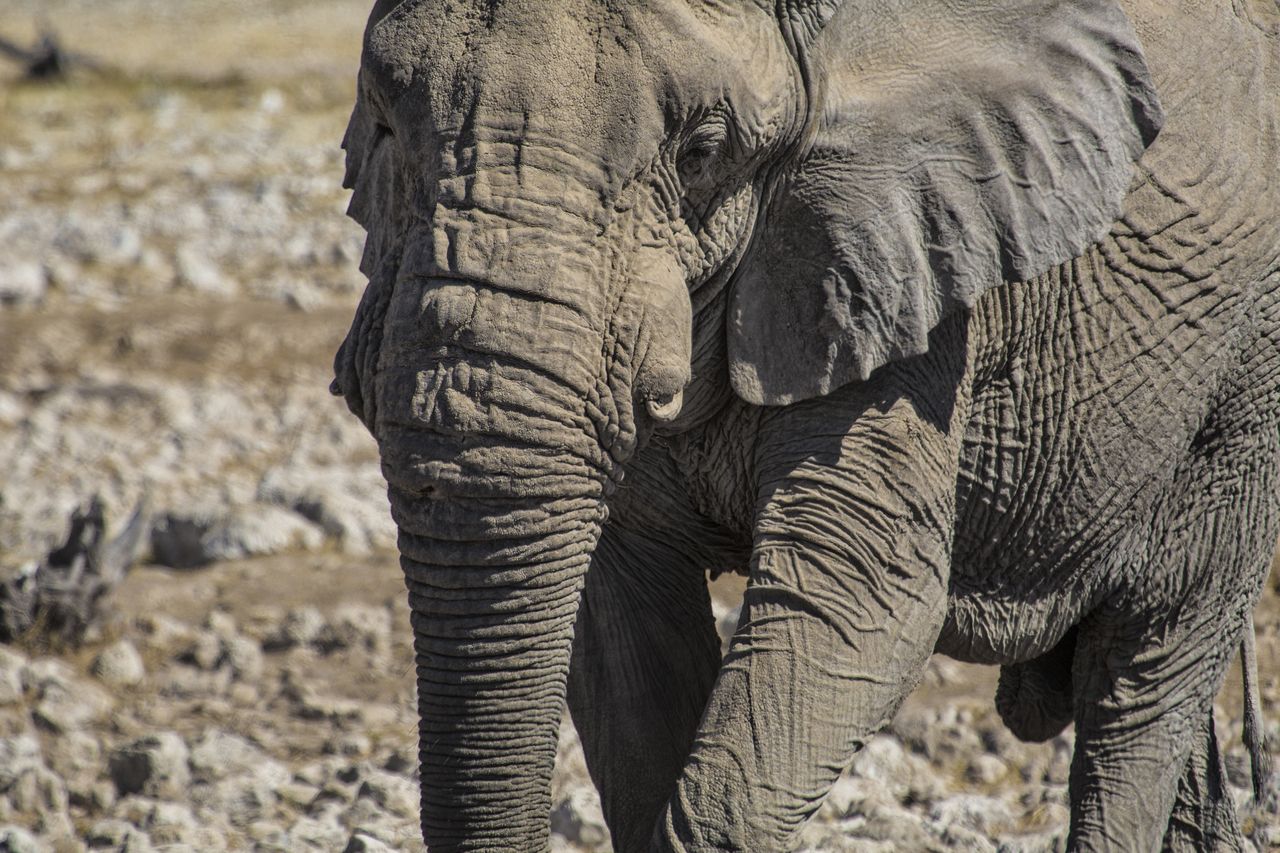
x,y
175,274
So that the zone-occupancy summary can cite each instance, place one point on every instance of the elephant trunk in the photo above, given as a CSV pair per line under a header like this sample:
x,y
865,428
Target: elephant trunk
x,y
496,479
492,624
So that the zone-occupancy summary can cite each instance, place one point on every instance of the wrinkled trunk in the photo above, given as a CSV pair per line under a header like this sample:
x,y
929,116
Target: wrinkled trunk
x,y
492,623
495,474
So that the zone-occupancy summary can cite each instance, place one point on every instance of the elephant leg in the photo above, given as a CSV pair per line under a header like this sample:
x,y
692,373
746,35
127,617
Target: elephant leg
x,y
1146,770
847,595
1150,663
1204,816
645,655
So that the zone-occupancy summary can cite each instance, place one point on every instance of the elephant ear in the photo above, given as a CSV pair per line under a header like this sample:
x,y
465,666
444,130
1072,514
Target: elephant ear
x,y
373,176
957,146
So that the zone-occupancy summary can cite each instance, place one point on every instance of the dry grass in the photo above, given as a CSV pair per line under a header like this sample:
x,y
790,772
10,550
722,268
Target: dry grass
x,y
203,39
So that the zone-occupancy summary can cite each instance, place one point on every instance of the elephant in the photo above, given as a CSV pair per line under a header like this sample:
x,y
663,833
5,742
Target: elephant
x,y
955,328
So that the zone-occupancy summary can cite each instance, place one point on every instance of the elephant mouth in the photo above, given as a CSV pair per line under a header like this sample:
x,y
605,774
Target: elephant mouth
x,y
665,408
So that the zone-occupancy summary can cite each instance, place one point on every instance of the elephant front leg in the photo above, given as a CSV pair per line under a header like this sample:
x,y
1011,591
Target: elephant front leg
x,y
847,596
645,655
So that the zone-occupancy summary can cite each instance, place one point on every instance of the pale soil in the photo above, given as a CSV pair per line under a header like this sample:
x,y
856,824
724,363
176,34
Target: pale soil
x,y
178,276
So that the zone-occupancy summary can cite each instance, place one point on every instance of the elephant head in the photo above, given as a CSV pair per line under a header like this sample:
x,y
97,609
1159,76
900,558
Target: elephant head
x,y
588,220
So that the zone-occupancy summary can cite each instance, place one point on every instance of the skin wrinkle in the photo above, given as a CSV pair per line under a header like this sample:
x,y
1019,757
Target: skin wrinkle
x,y
1083,447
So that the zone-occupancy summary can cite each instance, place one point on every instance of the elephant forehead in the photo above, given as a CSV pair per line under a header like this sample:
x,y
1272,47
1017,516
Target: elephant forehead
x,y
553,69
607,78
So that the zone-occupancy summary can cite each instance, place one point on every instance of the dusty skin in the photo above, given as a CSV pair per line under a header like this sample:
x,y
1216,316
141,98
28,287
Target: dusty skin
x,y
175,277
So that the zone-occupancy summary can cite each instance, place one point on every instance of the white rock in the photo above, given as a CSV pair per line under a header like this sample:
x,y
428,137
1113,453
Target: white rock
x,y
120,665
244,656
190,540
971,811
318,833
260,530
118,835
303,626
197,271
22,282
348,505
392,793
17,755
12,666
883,760
362,842
578,818
38,791
15,839
63,703
986,770
362,625
155,765
272,101
218,754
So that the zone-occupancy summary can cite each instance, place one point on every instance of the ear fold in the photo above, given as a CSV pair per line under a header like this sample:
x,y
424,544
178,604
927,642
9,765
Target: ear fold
x,y
372,175
958,147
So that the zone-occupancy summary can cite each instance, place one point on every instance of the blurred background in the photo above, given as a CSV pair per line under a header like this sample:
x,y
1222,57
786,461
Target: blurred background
x,y
175,275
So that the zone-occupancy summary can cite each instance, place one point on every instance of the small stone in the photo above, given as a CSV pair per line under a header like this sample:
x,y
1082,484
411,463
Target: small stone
x,y
117,835
298,794
986,770
303,626
119,665
265,529
102,796
171,824
362,842
363,626
958,837
154,765
222,624
64,704
850,795
17,755
206,651
354,745
75,753
1059,771
400,761
970,811
22,283
38,791
321,833
578,818
15,839
391,793
244,656
270,838
198,272
884,762
245,695
164,632
12,666
314,774
218,754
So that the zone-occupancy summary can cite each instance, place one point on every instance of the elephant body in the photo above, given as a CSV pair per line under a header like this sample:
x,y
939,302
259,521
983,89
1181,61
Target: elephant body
x,y
1073,475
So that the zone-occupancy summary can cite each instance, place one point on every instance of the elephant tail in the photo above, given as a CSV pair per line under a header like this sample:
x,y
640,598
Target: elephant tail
x,y
1254,735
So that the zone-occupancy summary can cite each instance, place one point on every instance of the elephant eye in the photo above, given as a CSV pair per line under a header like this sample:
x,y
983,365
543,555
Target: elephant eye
x,y
701,153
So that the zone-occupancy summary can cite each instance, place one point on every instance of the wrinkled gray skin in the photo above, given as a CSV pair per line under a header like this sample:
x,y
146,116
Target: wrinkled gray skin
x,y
751,256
